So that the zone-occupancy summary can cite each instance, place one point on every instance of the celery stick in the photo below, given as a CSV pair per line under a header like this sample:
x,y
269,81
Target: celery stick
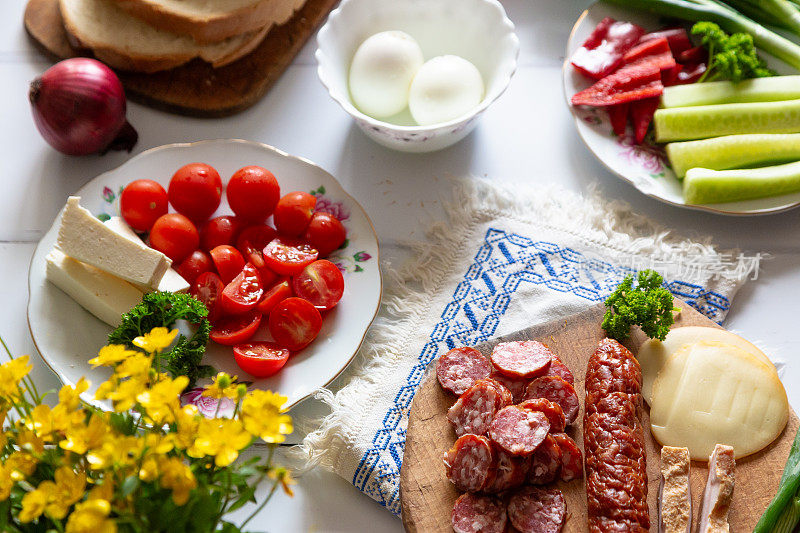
x,y
727,92
705,186
733,151
700,122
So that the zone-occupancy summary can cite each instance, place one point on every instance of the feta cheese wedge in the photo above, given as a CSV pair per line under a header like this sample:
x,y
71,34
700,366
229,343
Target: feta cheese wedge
x,y
172,281
84,238
105,296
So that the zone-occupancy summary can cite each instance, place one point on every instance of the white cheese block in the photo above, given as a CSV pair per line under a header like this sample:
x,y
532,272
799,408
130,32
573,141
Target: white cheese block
x,y
718,494
653,354
171,281
711,392
675,492
105,296
83,237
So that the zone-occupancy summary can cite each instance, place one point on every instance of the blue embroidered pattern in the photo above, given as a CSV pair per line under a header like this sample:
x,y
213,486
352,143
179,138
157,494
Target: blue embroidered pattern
x,y
503,263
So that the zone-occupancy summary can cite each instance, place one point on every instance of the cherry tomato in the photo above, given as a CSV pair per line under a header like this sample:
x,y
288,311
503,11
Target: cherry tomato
x,y
207,288
195,190
175,236
260,359
141,203
288,256
254,238
325,233
294,212
272,297
321,283
228,261
253,193
243,293
194,265
235,329
268,277
294,323
218,231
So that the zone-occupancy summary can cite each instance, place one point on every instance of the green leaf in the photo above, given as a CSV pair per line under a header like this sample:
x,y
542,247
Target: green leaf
x,y
103,217
130,484
247,495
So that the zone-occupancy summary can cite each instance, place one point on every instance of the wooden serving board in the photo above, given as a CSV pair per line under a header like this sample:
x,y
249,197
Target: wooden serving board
x,y
427,496
196,88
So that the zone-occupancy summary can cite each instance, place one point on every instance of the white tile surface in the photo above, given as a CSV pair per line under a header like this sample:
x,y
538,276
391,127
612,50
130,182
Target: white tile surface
x,y
526,137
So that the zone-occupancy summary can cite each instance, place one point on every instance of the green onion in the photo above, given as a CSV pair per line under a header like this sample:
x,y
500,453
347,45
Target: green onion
x,y
789,517
787,492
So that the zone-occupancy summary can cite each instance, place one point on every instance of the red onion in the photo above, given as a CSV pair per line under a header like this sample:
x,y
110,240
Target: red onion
x,y
79,108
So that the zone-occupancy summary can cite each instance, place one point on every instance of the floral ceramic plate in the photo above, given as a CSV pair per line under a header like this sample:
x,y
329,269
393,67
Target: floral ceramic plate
x,y
645,166
67,336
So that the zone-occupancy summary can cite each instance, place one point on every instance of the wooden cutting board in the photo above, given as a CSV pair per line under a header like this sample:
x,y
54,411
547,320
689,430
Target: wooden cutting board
x,y
427,496
196,88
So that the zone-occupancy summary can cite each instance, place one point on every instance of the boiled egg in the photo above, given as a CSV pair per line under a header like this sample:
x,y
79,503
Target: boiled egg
x,y
445,87
381,73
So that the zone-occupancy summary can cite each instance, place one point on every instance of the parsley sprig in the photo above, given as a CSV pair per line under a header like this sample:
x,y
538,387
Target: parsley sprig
x,y
730,57
648,305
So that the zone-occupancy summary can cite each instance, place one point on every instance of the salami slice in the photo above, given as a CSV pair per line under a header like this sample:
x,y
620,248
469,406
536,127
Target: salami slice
x,y
515,385
558,391
504,396
474,410
477,513
519,431
537,510
470,463
510,473
553,412
522,359
571,457
460,368
602,524
558,368
545,462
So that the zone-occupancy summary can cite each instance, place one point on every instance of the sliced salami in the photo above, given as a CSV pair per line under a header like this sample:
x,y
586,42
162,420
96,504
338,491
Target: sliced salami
x,y
510,473
474,410
557,390
522,359
477,513
537,510
470,463
551,410
504,396
519,431
460,368
558,368
545,462
571,457
601,524
515,385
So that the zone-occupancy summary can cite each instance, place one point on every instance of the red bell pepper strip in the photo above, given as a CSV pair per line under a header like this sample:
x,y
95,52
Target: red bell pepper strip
x,y
690,73
669,77
642,112
630,83
618,115
698,54
677,38
653,52
603,51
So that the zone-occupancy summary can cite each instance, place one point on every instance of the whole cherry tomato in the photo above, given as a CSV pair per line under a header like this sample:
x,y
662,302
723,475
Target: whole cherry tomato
x,y
175,236
195,190
294,212
325,233
194,265
141,203
253,193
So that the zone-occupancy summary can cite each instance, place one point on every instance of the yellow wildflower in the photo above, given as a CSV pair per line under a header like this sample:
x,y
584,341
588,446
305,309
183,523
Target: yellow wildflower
x,y
28,440
82,437
149,469
6,483
11,373
91,516
119,451
137,366
284,477
220,437
262,416
20,465
33,504
223,386
111,355
177,476
122,393
162,400
71,485
70,397
156,340
103,491
187,419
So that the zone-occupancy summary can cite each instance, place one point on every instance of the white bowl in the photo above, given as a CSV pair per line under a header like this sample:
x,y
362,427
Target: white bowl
x,y
477,30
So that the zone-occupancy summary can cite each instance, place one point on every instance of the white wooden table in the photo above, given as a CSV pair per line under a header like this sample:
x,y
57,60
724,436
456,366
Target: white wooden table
x,y
525,137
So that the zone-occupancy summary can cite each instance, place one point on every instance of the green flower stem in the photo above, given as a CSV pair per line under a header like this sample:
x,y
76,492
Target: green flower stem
x,y
264,503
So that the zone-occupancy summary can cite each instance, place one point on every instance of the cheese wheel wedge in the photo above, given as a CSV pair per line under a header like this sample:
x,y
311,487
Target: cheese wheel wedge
x,y
654,353
711,392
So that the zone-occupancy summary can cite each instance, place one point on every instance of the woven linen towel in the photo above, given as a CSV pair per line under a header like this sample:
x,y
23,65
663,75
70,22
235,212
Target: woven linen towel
x,y
502,261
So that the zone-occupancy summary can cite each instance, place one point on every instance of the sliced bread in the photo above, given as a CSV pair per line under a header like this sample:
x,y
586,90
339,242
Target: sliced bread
x,y
210,21
128,43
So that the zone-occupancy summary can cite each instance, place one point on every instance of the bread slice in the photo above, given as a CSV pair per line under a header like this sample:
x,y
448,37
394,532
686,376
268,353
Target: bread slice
x,y
127,43
210,21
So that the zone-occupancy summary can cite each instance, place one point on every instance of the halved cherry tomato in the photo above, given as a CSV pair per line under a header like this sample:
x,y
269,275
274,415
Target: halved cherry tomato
x,y
294,212
288,256
195,190
175,236
194,265
321,283
207,288
142,202
235,329
253,192
260,359
272,297
294,323
243,293
325,233
228,260
219,231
